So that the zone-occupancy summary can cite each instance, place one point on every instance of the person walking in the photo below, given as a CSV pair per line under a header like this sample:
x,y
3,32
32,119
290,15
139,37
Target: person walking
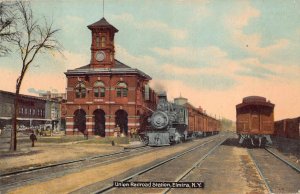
x,y
33,139
117,131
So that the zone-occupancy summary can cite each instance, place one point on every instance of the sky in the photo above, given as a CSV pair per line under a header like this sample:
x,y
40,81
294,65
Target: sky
x,y
212,52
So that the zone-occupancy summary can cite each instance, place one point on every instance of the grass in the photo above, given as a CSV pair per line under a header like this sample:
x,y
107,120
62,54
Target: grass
x,y
108,140
82,139
60,139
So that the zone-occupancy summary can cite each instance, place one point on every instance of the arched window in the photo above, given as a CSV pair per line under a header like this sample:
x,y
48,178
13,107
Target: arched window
x,y
103,41
98,41
80,90
99,89
122,89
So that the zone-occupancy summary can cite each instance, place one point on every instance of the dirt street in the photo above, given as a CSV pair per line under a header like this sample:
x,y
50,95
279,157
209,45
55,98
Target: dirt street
x,y
74,181
228,170
45,153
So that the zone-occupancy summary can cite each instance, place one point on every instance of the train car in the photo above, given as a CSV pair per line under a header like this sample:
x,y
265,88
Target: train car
x,y
255,120
176,122
200,124
288,128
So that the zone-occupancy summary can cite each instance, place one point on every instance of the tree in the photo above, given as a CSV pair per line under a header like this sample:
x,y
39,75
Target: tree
x,y
31,39
7,26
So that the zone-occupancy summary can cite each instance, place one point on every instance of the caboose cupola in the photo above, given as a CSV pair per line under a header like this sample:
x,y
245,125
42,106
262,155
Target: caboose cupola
x,y
102,46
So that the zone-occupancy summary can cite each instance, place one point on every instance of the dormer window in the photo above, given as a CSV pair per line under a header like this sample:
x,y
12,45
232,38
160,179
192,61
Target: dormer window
x,y
80,90
99,89
122,89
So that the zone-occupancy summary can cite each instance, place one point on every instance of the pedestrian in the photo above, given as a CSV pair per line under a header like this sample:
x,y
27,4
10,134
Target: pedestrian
x,y
39,131
86,135
131,132
136,132
33,139
117,131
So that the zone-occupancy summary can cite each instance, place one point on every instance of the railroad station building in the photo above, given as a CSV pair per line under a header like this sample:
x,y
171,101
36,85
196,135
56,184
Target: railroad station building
x,y
106,93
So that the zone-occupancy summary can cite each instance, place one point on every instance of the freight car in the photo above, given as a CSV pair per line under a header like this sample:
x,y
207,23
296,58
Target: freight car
x,y
199,123
255,120
176,122
288,128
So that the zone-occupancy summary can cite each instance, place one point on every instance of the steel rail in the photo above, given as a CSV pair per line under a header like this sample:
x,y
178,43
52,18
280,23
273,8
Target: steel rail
x,y
111,187
283,160
260,172
7,186
196,164
30,169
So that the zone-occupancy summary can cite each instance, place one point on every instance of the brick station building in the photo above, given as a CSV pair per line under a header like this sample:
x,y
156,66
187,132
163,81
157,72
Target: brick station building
x,y
106,93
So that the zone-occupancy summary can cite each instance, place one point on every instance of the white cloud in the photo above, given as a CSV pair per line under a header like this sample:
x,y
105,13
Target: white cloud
x,y
237,20
9,77
144,61
283,93
192,54
71,60
42,81
155,25
71,23
175,33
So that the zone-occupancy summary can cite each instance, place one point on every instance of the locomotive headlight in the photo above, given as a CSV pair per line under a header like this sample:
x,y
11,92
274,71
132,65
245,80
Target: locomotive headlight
x,y
159,120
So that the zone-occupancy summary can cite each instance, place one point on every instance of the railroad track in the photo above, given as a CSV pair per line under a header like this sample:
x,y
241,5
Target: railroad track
x,y
155,166
275,162
17,178
32,169
283,160
36,174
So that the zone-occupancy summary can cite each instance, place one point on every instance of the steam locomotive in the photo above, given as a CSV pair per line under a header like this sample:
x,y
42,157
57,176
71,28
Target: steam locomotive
x,y
168,124
175,122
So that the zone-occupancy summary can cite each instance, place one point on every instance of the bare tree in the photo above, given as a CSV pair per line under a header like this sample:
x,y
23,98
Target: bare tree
x,y
7,26
32,38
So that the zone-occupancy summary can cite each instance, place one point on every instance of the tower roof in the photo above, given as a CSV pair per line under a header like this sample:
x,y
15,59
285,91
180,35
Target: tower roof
x,y
119,69
102,24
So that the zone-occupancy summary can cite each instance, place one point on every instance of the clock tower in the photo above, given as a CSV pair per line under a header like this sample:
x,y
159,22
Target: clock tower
x,y
102,47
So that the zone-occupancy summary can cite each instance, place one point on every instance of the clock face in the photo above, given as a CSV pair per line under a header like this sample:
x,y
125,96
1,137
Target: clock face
x,y
100,56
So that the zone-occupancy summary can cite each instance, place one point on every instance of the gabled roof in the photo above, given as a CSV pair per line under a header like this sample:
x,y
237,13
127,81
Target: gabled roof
x,y
102,24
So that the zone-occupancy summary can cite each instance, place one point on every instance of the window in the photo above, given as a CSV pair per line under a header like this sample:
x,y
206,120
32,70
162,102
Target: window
x,y
122,89
147,92
99,89
103,41
80,90
33,112
98,41
25,111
